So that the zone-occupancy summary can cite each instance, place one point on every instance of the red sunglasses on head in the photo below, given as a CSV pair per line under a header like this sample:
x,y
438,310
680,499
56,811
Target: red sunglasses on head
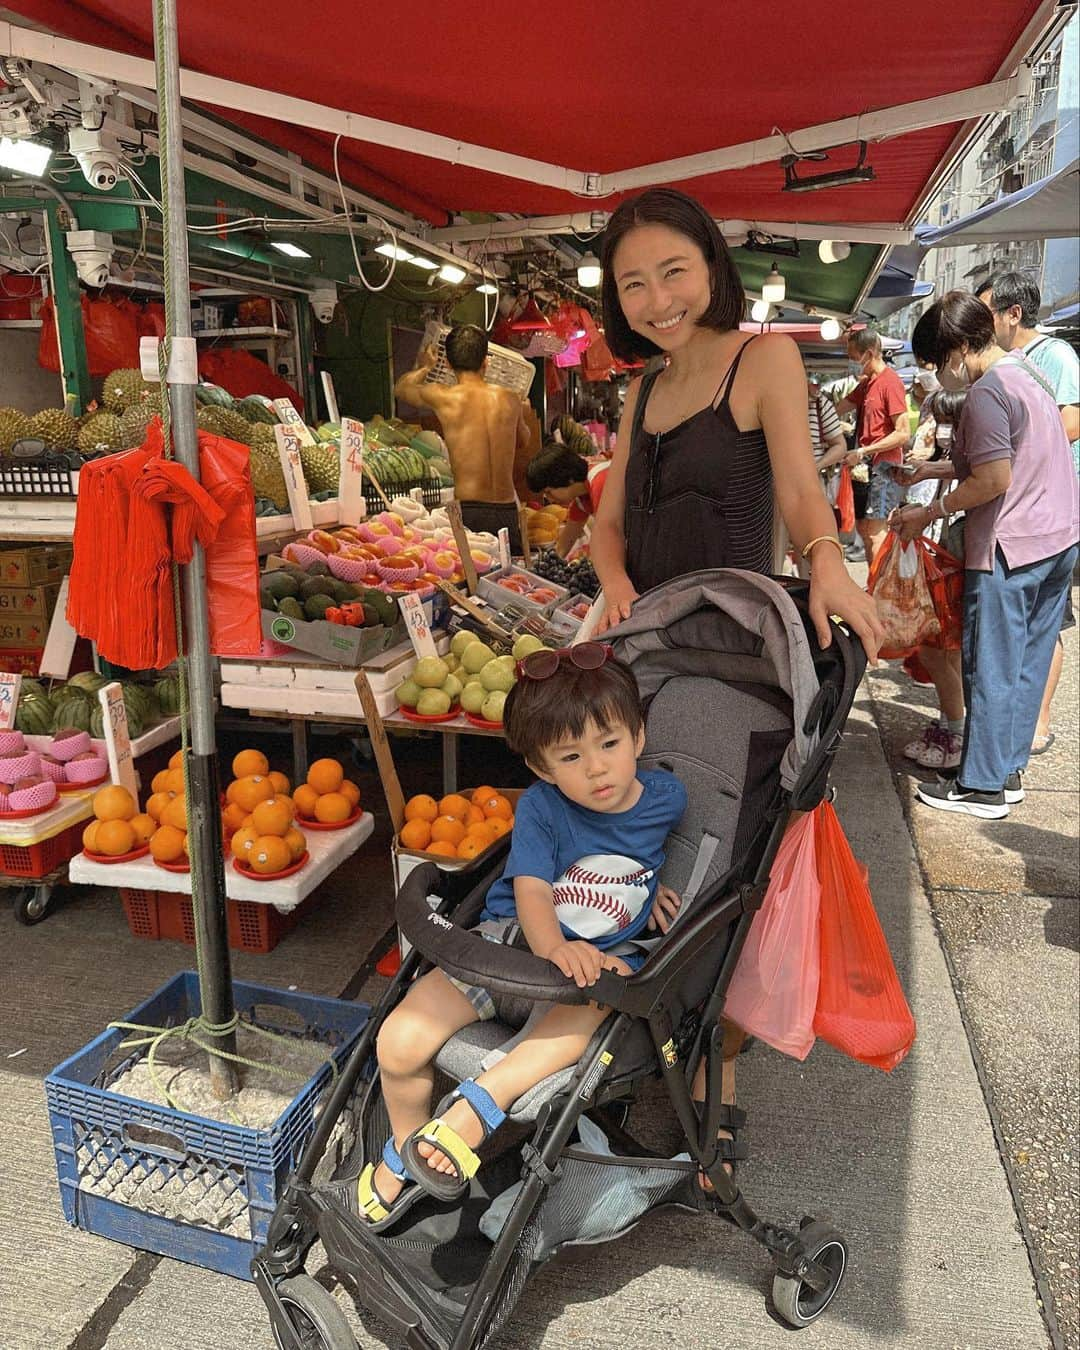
x,y
585,656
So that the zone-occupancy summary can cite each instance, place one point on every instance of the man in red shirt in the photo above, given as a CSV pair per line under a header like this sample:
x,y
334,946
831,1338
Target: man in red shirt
x,y
882,429
561,476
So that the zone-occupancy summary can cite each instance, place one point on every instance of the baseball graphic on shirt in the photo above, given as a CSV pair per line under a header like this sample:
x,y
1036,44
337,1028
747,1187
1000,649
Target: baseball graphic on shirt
x,y
601,894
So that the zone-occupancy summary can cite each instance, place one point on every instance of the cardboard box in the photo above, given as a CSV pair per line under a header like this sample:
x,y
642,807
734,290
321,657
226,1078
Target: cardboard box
x,y
490,588
21,663
23,634
22,567
331,641
30,602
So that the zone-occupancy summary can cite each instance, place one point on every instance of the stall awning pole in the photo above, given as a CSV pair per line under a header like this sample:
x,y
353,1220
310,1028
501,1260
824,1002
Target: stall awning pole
x,y
204,813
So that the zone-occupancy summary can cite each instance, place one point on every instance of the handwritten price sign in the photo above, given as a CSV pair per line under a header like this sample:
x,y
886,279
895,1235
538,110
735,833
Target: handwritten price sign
x,y
118,739
9,699
415,616
351,485
295,484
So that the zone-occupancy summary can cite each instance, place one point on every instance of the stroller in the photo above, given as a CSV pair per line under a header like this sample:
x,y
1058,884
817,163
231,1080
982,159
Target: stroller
x,y
745,707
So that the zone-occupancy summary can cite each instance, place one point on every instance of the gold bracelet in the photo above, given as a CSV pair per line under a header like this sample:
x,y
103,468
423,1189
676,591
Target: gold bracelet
x,y
823,538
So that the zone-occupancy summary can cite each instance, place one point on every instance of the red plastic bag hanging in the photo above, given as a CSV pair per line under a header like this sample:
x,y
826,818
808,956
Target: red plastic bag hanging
x,y
861,1008
232,558
945,578
845,500
241,374
112,336
774,990
901,592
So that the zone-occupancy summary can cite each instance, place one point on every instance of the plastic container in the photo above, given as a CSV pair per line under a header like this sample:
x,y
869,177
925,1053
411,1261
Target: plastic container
x,y
41,858
252,927
98,1134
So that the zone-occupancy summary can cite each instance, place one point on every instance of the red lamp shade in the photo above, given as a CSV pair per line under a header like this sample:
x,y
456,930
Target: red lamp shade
x,y
530,320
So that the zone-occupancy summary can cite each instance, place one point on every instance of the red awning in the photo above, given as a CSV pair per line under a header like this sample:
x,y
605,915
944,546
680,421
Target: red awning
x,y
611,86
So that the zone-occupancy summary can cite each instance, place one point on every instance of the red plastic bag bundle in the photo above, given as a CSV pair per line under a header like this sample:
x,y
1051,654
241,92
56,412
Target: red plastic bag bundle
x,y
112,335
232,557
945,577
861,1008
901,591
845,500
241,374
774,990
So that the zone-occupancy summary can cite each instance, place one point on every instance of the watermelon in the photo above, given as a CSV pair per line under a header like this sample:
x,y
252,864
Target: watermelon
x,y
73,712
34,715
212,395
256,408
138,709
89,681
167,693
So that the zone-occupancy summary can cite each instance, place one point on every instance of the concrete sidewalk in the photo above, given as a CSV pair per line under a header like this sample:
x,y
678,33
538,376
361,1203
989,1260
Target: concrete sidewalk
x,y
906,1164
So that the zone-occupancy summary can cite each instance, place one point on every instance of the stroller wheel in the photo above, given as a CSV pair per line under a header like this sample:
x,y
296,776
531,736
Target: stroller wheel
x,y
314,1315
797,1302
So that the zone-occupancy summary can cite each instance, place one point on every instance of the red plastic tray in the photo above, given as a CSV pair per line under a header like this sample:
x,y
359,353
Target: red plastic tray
x,y
172,867
423,718
123,857
81,787
238,866
305,824
22,815
482,722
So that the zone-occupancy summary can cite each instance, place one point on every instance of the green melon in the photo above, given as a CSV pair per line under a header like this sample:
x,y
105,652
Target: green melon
x,y
73,712
167,693
34,715
89,681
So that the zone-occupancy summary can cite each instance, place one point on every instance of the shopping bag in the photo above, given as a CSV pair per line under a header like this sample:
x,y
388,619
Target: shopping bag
x,y
861,1008
905,608
945,578
774,990
845,500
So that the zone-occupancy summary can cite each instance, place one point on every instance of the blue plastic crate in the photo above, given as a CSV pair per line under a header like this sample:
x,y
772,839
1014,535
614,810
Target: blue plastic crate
x,y
110,1141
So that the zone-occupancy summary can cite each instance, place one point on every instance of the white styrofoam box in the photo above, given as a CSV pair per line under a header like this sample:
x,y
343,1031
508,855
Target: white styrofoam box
x,y
304,702
489,587
384,671
388,669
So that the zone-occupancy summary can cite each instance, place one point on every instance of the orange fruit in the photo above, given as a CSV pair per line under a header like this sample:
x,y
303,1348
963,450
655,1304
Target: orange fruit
x,y
160,781
497,805
175,814
89,837
500,825
156,804
480,829
251,790
422,807
481,793
454,804
249,762
144,826
114,803
230,792
114,837
174,781
332,807
474,816
415,834
187,850
242,842
274,816
296,842
167,844
472,846
442,848
233,816
177,760
350,791
325,775
281,784
270,853
447,830
305,798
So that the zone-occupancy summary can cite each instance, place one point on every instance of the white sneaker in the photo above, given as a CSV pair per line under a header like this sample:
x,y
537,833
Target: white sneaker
x,y
943,750
917,748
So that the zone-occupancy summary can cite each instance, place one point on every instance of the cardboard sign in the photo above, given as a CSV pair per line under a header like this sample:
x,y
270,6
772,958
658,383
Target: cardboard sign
x,y
412,611
331,396
453,512
351,507
9,699
60,644
504,548
292,419
295,484
117,739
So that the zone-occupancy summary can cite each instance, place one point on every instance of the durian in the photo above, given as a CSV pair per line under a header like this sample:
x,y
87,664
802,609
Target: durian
x,y
134,423
322,467
267,479
123,389
56,428
14,425
100,435
228,423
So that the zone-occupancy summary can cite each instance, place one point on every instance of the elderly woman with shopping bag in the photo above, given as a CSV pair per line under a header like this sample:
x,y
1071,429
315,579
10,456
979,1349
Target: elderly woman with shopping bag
x,y
1018,489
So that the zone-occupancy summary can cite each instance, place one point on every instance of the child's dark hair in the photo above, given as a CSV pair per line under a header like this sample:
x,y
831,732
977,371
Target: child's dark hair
x,y
541,713
947,405
555,466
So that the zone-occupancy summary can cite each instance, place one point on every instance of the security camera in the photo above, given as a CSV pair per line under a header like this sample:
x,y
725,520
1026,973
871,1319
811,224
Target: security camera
x,y
99,162
324,302
92,251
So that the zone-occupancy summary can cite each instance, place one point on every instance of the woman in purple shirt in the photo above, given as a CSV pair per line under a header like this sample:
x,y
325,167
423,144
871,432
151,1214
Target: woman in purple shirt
x,y
1018,489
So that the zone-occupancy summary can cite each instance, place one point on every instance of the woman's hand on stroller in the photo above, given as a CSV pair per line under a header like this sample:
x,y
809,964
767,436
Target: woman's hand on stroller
x,y
582,962
832,591
665,907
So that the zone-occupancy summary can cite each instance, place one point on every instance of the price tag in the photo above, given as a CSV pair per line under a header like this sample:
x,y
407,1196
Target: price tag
x,y
504,547
117,739
295,484
60,644
415,616
351,508
457,525
293,420
9,699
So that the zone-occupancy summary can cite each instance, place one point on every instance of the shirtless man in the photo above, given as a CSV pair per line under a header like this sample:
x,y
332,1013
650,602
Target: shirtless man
x,y
483,426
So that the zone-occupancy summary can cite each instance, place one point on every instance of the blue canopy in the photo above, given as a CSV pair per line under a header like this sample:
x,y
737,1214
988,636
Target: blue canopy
x,y
1043,210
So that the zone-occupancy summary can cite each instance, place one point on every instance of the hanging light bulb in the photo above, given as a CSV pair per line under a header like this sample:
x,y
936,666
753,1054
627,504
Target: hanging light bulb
x,y
760,311
774,288
830,329
588,271
833,250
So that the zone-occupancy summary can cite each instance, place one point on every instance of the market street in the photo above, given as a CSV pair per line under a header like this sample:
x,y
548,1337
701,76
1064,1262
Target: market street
x,y
907,1165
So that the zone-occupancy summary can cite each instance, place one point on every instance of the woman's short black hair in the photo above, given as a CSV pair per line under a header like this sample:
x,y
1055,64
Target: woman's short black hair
x,y
540,714
555,466
665,206
956,320
466,347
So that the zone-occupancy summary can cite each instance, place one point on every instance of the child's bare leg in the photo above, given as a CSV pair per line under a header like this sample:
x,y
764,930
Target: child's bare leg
x,y
410,1038
558,1041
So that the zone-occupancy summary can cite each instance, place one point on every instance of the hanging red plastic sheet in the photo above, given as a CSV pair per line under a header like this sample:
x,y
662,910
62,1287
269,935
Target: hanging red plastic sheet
x,y
845,500
898,582
241,373
774,991
232,557
112,336
861,1008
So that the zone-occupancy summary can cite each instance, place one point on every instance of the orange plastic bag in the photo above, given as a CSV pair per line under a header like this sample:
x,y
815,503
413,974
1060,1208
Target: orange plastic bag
x,y
901,592
861,1008
945,577
845,501
774,990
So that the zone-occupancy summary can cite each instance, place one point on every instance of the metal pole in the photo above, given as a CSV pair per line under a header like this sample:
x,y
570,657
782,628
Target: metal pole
x,y
204,814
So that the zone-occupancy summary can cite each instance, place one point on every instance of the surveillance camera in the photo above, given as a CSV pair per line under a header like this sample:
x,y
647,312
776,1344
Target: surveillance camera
x,y
92,251
100,163
324,302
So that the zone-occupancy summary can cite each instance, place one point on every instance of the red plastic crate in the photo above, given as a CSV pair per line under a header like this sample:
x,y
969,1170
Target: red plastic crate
x,y
167,914
38,860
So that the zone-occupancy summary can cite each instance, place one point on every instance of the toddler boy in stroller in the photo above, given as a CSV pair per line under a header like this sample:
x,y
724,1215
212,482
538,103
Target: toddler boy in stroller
x,y
570,889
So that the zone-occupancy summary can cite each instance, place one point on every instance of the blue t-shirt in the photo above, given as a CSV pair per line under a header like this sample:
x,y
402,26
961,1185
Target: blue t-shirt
x,y
1061,366
603,867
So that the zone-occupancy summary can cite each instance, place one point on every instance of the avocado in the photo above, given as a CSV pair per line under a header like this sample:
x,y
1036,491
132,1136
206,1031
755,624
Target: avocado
x,y
316,606
314,586
279,584
344,592
292,607
318,568
371,617
267,600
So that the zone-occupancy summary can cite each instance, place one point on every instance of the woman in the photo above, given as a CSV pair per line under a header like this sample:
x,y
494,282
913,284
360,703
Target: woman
x,y
1018,490
691,481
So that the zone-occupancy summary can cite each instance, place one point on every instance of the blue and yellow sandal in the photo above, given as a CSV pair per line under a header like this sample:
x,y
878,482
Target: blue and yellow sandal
x,y
377,1212
445,1185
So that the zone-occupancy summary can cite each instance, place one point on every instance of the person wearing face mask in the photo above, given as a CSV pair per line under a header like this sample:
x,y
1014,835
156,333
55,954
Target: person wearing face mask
x,y
1021,497
882,431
